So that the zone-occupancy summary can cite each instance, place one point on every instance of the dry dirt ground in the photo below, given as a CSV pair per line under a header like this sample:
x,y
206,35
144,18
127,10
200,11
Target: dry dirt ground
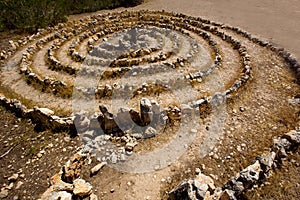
x,y
34,156
260,113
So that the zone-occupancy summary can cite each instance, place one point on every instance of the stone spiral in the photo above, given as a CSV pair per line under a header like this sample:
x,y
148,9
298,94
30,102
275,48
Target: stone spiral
x,y
141,53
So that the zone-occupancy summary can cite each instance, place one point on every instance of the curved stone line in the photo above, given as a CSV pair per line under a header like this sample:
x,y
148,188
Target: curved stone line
x,y
207,30
93,40
245,179
86,35
56,84
57,65
38,80
44,84
235,43
219,59
247,71
279,50
242,51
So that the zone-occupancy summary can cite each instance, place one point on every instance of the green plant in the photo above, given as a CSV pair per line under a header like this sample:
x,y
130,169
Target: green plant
x,y
30,15
31,150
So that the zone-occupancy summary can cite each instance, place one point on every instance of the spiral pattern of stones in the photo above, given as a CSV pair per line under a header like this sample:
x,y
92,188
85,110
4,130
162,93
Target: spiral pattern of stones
x,y
47,64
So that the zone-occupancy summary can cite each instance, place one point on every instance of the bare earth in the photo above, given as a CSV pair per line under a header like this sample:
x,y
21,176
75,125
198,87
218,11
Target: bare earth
x,y
265,114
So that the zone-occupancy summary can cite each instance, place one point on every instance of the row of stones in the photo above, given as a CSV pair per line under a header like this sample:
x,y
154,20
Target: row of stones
x,y
57,86
14,46
123,58
97,31
44,118
122,61
45,84
67,183
202,187
149,112
93,40
156,20
107,90
197,28
93,36
287,56
236,45
198,75
175,109
57,65
36,78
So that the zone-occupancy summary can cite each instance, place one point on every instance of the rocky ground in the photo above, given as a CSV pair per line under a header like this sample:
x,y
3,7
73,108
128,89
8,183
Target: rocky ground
x,y
283,183
266,109
30,158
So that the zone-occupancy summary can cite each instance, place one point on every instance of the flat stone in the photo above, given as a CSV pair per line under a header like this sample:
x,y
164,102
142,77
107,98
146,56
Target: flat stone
x,y
53,195
3,193
62,186
97,168
93,197
13,178
149,132
82,188
46,111
19,184
293,136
